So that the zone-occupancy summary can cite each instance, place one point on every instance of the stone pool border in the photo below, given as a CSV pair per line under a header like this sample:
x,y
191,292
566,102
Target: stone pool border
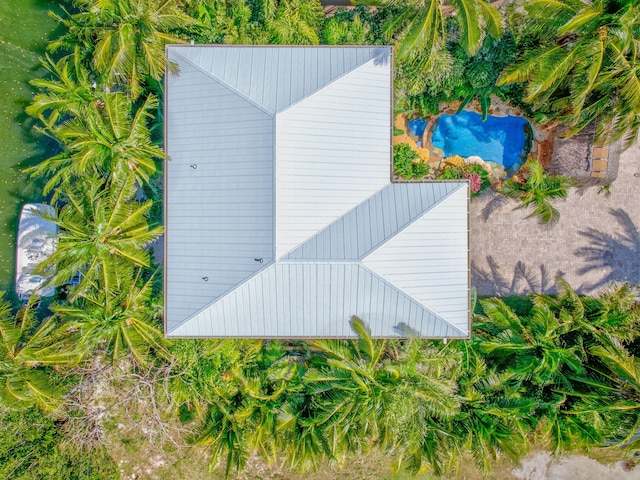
x,y
541,138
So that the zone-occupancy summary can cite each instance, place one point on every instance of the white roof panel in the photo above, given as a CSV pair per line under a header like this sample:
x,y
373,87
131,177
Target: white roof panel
x,y
428,260
322,171
291,297
277,188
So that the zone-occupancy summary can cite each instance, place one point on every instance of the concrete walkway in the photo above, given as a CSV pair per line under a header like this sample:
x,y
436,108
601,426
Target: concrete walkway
x,y
596,241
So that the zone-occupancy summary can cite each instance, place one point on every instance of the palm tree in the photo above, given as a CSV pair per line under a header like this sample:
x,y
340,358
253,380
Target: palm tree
x,y
23,346
116,320
103,233
548,357
493,419
623,399
613,314
69,91
376,392
113,139
532,348
224,436
245,417
420,24
586,67
537,191
126,37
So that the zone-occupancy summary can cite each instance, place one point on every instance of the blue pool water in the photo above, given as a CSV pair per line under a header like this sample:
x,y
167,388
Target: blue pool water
x,y
417,126
498,139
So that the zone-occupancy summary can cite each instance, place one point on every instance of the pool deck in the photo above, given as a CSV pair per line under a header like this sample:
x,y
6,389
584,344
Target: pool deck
x,y
596,241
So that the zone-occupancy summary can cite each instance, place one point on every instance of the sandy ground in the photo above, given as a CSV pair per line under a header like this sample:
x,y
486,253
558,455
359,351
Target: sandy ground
x,y
541,466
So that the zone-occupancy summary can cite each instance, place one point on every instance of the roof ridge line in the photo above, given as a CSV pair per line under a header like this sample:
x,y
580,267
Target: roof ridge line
x,y
226,85
322,87
411,222
272,264
437,314
389,185
222,296
335,221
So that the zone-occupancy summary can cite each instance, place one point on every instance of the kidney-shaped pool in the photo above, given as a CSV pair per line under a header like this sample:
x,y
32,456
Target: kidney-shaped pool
x,y
497,139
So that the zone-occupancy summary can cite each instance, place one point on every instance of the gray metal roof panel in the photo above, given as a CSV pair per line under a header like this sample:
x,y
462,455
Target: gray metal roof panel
x,y
237,177
275,77
375,220
315,300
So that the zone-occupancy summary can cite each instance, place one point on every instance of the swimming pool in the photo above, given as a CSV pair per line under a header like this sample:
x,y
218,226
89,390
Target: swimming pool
x,y
498,139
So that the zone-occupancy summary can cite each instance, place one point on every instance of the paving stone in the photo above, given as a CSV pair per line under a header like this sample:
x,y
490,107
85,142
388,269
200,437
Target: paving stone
x,y
596,241
599,152
599,166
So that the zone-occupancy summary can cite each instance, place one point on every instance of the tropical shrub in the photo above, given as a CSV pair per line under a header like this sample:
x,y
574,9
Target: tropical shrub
x,y
203,369
290,22
475,182
476,174
407,163
345,28
450,172
32,447
465,78
230,22
357,26
478,178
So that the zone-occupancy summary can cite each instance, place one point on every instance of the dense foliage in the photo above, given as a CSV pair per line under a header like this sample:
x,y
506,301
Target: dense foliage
x,y
563,371
32,448
407,163
581,64
465,78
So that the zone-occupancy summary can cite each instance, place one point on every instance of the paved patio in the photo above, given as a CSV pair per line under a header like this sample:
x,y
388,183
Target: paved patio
x,y
596,241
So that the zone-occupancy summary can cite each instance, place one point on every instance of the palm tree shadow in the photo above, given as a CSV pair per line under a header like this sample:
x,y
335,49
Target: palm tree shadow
x,y
618,252
522,281
493,205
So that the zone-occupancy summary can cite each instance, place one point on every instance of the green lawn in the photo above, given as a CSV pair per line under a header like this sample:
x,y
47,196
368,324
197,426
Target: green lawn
x,y
24,30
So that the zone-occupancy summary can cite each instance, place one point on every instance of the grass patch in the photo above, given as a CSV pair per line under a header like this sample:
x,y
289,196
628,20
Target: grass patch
x,y
25,28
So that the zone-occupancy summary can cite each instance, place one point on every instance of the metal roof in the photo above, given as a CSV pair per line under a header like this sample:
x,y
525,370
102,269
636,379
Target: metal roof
x,y
280,218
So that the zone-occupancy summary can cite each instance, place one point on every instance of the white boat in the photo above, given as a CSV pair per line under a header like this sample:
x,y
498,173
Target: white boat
x,y
36,242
